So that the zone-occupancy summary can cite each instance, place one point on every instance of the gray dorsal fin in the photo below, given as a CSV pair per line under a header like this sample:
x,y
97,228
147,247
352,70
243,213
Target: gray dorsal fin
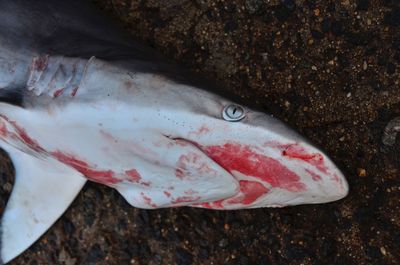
x,y
43,190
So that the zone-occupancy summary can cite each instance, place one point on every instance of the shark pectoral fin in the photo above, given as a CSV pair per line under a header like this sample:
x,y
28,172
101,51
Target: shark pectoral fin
x,y
43,189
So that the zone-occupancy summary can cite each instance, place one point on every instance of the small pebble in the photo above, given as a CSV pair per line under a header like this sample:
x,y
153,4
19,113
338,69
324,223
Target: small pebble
x,y
390,132
253,6
223,243
365,65
7,187
345,2
361,172
383,251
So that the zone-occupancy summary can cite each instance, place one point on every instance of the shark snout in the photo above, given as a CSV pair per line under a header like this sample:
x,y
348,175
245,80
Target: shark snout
x,y
276,174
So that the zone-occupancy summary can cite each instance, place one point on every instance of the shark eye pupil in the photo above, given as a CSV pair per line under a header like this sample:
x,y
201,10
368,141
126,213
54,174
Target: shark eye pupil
x,y
233,112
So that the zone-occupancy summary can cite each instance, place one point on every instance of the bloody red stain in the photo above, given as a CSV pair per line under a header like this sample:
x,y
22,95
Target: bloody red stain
x,y
26,138
205,205
202,130
183,199
181,165
179,142
218,204
314,175
192,161
205,169
73,93
191,192
179,173
22,134
250,191
3,130
298,152
41,63
147,200
338,180
237,157
133,175
276,144
102,176
58,92
146,183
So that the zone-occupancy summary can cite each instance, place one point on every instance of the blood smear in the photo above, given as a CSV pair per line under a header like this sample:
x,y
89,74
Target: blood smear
x,y
237,157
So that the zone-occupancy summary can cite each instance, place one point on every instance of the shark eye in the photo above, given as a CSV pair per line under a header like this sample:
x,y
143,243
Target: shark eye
x,y
233,112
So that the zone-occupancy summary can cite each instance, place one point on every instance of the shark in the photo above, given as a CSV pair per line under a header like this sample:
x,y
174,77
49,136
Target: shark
x,y
80,100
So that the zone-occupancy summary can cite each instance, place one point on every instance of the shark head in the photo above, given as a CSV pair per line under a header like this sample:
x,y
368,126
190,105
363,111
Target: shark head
x,y
273,165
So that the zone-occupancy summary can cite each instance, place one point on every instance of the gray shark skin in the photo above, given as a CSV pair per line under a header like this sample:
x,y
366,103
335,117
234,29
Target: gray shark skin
x,y
80,100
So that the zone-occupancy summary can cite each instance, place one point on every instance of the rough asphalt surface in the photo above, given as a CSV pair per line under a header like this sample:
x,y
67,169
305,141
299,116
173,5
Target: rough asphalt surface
x,y
328,68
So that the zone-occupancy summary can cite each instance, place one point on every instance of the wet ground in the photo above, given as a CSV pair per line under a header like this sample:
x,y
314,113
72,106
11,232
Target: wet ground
x,y
328,68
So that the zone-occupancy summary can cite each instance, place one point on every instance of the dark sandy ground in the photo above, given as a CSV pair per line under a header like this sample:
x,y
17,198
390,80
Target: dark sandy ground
x,y
328,68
